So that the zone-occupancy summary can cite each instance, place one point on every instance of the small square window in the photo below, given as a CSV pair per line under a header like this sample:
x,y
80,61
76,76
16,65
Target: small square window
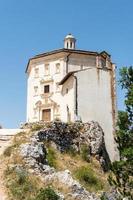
x,y
36,72
36,90
46,89
66,90
58,68
47,69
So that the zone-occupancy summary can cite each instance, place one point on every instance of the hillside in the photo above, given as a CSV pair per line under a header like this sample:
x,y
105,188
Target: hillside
x,y
57,161
6,136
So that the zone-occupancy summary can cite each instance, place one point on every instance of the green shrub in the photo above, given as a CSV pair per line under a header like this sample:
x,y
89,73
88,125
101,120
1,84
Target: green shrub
x,y
51,157
87,177
20,185
85,153
103,197
47,194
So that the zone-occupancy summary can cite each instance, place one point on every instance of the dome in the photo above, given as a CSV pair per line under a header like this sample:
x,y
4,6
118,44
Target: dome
x,y
69,36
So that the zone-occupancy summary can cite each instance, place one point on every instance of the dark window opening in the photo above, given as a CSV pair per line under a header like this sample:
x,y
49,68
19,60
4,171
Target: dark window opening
x,y
46,89
81,67
67,44
71,44
66,90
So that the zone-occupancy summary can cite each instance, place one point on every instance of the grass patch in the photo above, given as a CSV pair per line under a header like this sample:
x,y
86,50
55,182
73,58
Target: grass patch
x,y
51,157
71,151
85,153
87,177
37,127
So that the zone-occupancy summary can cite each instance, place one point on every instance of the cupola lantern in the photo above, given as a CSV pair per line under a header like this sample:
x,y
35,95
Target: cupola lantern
x,y
69,42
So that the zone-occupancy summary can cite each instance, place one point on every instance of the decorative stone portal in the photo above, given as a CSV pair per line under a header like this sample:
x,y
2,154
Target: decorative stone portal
x,y
46,115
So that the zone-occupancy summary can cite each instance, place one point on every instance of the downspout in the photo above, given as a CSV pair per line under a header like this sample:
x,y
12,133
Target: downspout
x,y
67,60
76,86
76,95
39,112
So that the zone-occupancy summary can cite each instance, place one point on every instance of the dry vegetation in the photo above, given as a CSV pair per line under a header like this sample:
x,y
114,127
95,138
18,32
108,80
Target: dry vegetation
x,y
78,167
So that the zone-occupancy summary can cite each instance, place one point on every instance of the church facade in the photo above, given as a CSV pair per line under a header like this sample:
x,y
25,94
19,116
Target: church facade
x,y
70,85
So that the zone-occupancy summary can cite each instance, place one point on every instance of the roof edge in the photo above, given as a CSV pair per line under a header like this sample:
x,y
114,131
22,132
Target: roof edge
x,y
78,51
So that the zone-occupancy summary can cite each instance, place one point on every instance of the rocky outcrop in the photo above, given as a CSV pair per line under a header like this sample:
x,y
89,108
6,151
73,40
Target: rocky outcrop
x,y
34,155
74,136
93,135
63,137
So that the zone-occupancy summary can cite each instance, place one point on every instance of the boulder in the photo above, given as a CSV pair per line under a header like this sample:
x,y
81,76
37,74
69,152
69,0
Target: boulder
x,y
34,153
112,195
95,136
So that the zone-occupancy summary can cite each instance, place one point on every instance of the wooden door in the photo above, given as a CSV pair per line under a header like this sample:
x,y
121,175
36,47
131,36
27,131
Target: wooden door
x,y
46,115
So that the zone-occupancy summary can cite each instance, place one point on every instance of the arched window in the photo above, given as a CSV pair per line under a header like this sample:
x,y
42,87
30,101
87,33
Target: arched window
x,y
71,45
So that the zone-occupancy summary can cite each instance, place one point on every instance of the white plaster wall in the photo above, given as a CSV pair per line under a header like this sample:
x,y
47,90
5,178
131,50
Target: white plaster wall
x,y
68,99
79,62
95,103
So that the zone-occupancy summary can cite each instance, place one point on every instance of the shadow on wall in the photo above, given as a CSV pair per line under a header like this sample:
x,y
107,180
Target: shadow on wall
x,y
67,86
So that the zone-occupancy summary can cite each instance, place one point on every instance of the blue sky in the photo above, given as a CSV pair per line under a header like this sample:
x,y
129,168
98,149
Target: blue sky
x,y
31,27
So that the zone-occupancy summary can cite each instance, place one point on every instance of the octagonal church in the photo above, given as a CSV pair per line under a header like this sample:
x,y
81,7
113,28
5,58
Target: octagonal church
x,y
72,84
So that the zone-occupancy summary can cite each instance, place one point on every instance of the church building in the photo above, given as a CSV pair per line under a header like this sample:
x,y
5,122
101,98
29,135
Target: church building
x,y
71,84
